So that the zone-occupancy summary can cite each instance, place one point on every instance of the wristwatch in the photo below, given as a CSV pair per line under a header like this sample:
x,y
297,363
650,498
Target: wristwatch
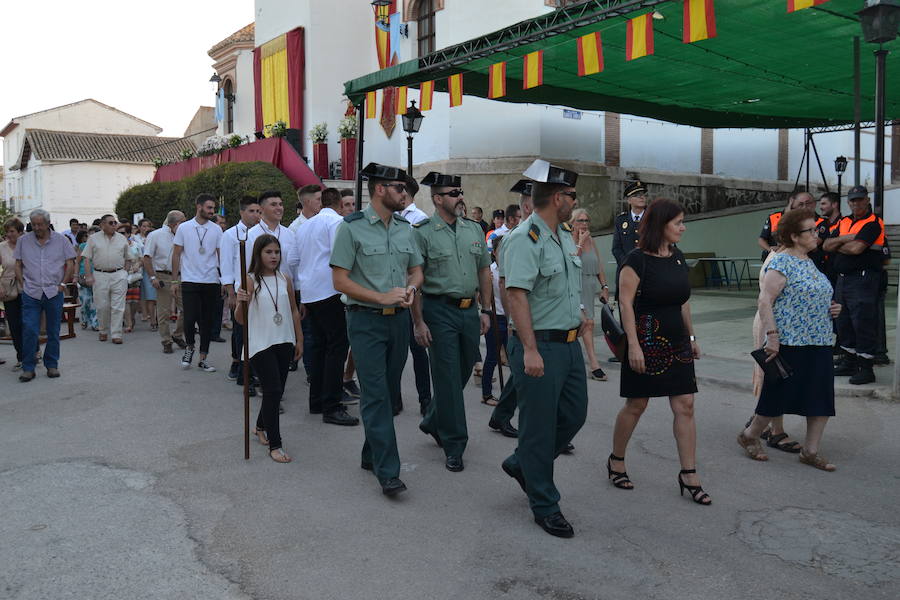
x,y
485,311
693,338
604,286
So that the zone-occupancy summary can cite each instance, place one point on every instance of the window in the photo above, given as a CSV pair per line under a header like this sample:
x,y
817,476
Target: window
x,y
229,107
425,19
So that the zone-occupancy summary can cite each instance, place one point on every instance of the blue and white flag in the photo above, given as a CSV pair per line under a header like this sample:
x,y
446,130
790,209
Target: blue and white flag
x,y
220,106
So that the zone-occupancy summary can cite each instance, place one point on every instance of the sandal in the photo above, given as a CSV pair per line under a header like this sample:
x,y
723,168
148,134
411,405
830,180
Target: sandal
x,y
619,479
775,441
489,400
817,461
261,436
752,447
279,456
766,432
696,491
598,375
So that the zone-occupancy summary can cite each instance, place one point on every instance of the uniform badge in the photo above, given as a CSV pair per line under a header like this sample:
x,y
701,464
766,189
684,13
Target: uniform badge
x,y
625,225
566,227
534,233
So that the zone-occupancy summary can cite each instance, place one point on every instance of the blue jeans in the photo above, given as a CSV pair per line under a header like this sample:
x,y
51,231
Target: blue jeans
x,y
490,359
31,329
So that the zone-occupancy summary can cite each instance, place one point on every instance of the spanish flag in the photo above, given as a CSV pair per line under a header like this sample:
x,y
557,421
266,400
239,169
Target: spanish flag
x,y
426,95
455,87
590,54
401,100
371,104
795,5
497,80
639,37
533,70
699,21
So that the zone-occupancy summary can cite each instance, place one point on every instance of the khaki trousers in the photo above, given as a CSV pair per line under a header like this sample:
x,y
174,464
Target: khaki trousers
x,y
109,301
164,310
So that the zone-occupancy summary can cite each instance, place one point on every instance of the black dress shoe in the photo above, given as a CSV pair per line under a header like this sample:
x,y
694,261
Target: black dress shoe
x,y
364,464
455,464
219,340
515,474
293,366
504,428
340,417
393,486
555,524
437,438
569,449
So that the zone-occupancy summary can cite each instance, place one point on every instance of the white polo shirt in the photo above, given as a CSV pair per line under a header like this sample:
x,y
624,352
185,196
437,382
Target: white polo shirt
x,y
159,248
288,249
199,266
315,240
230,255
413,214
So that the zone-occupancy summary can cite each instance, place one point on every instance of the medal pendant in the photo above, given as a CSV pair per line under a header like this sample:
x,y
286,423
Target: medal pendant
x,y
277,318
202,250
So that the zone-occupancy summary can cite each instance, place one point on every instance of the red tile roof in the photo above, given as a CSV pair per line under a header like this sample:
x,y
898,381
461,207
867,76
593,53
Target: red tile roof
x,y
107,147
244,34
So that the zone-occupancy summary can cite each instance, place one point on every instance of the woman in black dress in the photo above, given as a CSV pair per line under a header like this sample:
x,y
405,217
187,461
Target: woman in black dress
x,y
653,296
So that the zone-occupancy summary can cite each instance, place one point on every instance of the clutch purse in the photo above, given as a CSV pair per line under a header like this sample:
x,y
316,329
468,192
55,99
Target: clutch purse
x,y
774,370
612,331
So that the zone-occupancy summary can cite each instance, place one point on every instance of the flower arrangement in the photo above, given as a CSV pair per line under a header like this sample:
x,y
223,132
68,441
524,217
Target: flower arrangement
x,y
186,154
277,129
235,140
213,145
319,133
159,162
348,127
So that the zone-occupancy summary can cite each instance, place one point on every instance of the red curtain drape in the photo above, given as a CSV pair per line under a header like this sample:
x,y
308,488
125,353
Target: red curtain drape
x,y
257,88
296,56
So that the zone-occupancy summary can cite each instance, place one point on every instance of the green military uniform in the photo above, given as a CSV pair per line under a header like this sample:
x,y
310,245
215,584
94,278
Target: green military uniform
x,y
378,258
552,408
454,255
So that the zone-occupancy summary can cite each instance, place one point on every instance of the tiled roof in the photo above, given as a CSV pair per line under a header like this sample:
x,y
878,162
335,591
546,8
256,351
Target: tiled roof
x,y
68,145
14,122
244,34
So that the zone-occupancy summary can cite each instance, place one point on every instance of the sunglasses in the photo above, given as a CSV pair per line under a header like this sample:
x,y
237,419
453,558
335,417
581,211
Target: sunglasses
x,y
451,193
572,195
400,187
113,223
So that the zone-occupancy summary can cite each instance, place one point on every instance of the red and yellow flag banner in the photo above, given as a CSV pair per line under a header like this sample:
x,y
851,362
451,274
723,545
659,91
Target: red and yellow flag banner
x,y
590,54
383,33
639,37
699,21
497,80
401,100
426,95
455,87
533,70
371,105
795,5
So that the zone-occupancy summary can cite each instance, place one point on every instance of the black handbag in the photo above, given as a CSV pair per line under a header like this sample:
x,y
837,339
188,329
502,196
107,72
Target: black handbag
x,y
774,370
613,331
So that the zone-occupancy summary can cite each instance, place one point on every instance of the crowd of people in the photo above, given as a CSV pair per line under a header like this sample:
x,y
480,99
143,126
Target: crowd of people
x,y
352,293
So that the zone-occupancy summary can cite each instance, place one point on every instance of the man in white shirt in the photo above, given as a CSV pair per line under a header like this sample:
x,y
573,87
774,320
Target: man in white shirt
x,y
105,262
324,311
309,203
72,233
412,213
195,266
158,266
229,258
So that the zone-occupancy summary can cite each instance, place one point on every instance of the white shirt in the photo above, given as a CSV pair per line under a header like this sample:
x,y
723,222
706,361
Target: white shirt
x,y
296,223
412,214
495,277
261,310
197,266
636,217
288,248
502,230
230,255
315,239
159,247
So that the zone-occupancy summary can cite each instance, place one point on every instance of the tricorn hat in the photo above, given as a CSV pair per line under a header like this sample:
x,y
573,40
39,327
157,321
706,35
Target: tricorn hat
x,y
436,179
543,172
635,188
523,186
383,172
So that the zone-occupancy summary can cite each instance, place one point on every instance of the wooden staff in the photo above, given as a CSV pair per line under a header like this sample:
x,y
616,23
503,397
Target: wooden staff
x,y
244,308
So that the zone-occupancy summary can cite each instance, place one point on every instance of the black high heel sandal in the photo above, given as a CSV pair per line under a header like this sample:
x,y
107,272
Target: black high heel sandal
x,y
620,480
696,491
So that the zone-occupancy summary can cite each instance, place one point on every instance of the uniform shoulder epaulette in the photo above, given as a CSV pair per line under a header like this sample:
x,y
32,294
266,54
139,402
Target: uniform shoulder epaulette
x,y
354,216
399,218
566,227
534,233
422,222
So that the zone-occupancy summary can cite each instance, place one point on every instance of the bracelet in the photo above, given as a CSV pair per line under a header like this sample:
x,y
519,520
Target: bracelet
x,y
603,286
772,332
485,311
693,338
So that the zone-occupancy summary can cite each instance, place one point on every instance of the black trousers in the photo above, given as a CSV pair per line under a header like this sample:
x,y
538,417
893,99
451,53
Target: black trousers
x,y
857,323
199,301
14,323
271,367
328,354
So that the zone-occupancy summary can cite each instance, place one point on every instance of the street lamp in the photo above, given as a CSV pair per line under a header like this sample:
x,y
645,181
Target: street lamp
x,y
879,19
840,165
412,120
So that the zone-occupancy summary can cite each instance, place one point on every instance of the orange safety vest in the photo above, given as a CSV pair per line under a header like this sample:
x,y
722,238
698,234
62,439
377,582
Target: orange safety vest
x,y
848,225
831,227
773,221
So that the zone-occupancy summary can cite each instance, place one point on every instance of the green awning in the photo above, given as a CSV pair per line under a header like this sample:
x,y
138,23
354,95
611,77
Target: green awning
x,y
766,68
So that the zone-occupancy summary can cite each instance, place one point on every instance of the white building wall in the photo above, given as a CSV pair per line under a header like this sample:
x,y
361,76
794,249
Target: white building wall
x,y
660,146
746,153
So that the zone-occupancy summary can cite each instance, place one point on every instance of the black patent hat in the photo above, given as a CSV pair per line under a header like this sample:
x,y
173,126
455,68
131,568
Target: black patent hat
x,y
436,179
383,172
523,186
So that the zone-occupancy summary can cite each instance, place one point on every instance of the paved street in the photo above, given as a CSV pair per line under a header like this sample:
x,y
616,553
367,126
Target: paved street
x,y
125,479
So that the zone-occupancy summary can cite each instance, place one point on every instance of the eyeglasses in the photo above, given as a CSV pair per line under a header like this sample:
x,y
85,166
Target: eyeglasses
x,y
582,220
400,187
572,195
451,193
810,230
112,223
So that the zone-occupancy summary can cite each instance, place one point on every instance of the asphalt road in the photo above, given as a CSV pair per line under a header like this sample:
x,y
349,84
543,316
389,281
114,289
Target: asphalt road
x,y
125,478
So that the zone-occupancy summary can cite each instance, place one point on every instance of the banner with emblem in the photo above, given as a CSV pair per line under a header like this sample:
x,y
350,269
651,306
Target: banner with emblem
x,y
497,80
639,37
699,21
590,54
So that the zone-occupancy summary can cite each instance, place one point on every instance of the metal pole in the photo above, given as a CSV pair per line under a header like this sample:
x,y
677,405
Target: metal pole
x,y
409,155
361,110
839,187
242,241
806,154
818,161
857,109
880,66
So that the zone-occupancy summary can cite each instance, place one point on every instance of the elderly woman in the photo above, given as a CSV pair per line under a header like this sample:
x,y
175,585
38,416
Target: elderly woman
x,y
10,292
796,310
85,292
593,284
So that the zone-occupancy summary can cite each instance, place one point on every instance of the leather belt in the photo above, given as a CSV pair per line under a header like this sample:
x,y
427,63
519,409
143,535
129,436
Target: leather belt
x,y
385,312
563,336
109,271
457,302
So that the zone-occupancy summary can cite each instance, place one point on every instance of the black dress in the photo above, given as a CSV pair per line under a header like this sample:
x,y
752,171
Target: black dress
x,y
663,289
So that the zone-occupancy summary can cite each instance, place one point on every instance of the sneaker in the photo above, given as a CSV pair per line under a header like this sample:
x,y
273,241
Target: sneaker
x,y
351,389
233,372
205,366
186,358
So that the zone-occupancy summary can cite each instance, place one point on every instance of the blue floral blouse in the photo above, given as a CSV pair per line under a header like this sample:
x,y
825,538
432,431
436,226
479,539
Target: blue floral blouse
x,y
802,310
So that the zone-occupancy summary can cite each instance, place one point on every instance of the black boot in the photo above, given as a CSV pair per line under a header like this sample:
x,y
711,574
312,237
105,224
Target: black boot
x,y
865,374
846,365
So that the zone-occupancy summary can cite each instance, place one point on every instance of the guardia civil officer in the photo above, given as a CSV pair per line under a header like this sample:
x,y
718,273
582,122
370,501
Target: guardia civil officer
x,y
377,267
446,316
543,287
625,225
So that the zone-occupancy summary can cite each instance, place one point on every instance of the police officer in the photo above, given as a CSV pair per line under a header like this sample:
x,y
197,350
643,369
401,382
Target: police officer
x,y
767,239
625,225
457,267
376,265
543,286
857,247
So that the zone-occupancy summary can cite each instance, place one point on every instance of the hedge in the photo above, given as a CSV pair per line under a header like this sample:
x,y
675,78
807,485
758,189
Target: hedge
x,y
230,181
